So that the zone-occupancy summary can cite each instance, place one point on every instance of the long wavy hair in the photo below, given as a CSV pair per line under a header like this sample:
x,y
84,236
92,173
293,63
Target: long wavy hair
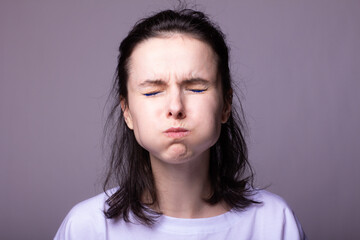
x,y
129,166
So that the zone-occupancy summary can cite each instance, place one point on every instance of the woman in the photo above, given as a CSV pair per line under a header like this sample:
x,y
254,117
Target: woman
x,y
179,158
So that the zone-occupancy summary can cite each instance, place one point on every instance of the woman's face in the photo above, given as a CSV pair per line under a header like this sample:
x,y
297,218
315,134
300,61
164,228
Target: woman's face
x,y
175,104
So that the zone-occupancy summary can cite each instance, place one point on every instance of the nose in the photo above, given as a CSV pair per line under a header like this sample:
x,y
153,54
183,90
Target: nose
x,y
176,108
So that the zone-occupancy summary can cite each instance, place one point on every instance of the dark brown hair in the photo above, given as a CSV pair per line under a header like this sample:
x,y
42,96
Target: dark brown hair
x,y
129,164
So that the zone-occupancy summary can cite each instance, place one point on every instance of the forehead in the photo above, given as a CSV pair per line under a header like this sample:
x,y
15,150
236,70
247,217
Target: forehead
x,y
175,56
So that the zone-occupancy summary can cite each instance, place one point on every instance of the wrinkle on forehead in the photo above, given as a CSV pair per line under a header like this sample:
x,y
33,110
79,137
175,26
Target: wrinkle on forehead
x,y
208,53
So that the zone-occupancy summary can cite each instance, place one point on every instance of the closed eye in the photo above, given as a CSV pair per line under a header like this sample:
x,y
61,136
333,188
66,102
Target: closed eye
x,y
151,94
197,90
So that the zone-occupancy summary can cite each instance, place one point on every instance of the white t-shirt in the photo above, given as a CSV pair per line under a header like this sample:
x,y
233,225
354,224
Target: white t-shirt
x,y
273,219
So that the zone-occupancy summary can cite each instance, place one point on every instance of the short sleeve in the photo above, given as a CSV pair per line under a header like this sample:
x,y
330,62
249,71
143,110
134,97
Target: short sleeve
x,y
86,220
76,227
291,226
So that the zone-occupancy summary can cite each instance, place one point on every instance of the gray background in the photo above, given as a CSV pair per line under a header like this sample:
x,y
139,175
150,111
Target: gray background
x,y
296,62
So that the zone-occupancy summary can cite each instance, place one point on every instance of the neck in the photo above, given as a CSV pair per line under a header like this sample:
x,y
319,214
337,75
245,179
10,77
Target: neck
x,y
182,188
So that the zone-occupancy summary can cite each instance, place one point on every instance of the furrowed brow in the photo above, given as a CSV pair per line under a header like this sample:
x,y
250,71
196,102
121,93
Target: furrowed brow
x,y
149,82
196,81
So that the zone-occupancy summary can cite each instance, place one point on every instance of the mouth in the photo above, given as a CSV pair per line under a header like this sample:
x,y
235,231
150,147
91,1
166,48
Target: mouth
x,y
176,132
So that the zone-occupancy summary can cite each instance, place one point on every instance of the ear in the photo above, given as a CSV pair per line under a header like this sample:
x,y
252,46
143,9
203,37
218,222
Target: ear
x,y
127,115
227,106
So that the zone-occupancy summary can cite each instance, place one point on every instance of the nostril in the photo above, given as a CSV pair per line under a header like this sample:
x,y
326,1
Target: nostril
x,y
178,115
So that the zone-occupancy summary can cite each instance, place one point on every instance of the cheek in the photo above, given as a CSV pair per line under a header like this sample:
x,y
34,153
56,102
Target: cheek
x,y
208,115
215,114
211,108
145,122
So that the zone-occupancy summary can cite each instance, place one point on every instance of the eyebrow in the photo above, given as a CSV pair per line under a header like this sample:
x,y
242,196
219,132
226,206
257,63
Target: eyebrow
x,y
196,81
149,82
158,82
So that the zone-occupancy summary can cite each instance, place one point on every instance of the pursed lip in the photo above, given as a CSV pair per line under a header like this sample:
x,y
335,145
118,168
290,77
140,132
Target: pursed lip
x,y
176,132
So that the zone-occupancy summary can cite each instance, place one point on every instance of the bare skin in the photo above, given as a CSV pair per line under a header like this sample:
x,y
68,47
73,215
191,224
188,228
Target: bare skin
x,y
182,188
175,108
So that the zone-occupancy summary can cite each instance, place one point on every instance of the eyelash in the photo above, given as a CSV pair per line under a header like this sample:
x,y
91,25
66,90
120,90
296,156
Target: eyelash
x,y
192,90
150,94
197,90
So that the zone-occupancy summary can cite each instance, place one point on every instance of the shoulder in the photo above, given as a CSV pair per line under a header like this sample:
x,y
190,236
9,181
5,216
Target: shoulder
x,y
270,201
86,220
273,217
